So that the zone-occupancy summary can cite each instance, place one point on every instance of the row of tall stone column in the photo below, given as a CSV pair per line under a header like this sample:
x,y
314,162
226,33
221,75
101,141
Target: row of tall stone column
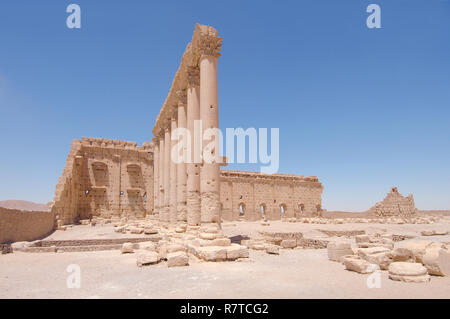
x,y
188,192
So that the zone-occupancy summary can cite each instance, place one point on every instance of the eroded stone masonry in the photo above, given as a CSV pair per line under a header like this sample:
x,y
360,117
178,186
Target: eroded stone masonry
x,y
395,204
107,178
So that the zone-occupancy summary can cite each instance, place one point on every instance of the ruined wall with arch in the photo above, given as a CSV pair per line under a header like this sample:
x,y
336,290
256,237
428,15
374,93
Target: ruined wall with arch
x,y
300,196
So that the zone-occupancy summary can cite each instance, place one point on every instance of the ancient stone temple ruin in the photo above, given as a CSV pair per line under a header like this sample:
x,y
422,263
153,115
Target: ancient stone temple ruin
x,y
395,205
109,178
105,178
114,179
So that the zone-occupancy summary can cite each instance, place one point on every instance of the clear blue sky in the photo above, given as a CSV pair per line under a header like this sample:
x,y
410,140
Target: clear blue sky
x,y
362,109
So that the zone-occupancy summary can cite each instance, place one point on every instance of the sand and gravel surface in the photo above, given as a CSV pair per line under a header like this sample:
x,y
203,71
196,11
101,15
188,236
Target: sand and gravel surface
x,y
294,273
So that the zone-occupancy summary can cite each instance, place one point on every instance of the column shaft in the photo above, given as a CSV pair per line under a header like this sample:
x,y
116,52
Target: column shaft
x,y
155,176
209,115
166,175
181,167
173,176
161,178
193,167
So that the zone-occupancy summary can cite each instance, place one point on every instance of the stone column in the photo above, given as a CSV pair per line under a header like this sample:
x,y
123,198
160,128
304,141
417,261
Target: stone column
x,y
209,115
166,175
193,167
161,176
181,167
173,173
155,175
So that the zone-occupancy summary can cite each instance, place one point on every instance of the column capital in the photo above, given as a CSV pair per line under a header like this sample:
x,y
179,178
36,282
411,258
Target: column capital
x,y
159,133
193,76
209,45
172,114
182,97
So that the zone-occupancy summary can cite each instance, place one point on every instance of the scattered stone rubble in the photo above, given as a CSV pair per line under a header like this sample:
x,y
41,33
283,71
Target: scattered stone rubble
x,y
407,261
181,243
367,220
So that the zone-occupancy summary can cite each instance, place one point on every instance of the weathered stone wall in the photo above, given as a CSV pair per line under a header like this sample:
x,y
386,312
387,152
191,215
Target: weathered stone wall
x,y
394,205
17,225
105,178
243,193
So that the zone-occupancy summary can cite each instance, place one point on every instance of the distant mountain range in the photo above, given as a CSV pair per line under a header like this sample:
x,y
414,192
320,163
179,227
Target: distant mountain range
x,y
23,205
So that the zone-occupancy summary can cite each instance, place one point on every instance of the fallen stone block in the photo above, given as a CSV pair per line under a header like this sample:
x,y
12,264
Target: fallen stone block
x,y
127,248
235,251
147,258
274,240
221,242
212,253
136,230
402,254
418,248
357,264
150,231
380,256
288,243
272,249
120,229
258,246
336,250
437,261
434,233
408,272
177,259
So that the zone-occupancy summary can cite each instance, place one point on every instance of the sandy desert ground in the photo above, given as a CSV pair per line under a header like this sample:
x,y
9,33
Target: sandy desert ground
x,y
297,273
